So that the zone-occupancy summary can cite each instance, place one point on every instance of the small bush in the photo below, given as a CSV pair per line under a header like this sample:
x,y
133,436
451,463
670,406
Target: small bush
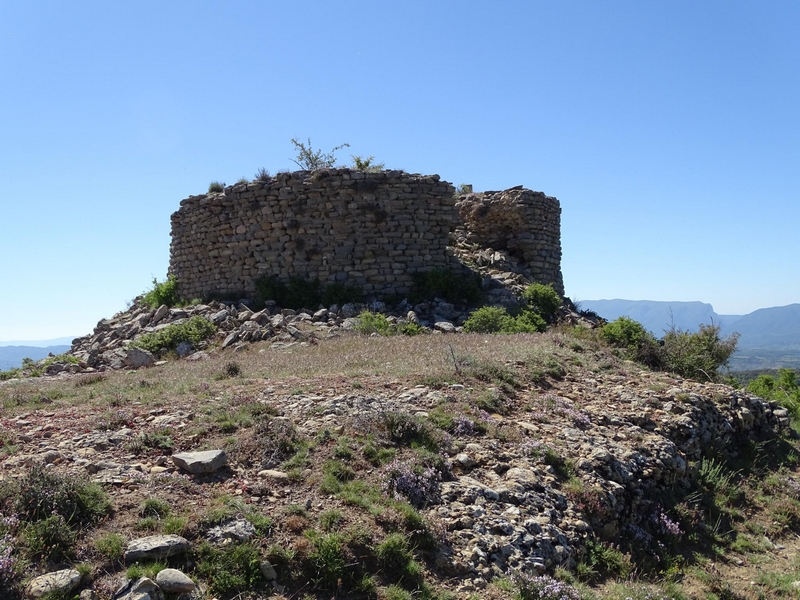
x,y
159,439
165,292
369,323
487,319
366,164
155,507
309,159
262,175
49,539
454,287
232,369
624,332
194,331
244,180
698,355
216,186
783,389
231,569
411,329
543,300
491,319
111,546
330,520
393,553
43,493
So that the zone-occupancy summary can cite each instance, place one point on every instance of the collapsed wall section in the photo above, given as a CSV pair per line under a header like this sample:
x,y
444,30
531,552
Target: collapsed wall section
x,y
524,223
372,230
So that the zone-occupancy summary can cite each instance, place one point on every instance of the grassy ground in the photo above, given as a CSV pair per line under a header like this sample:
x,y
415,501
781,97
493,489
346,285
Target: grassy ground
x,y
329,529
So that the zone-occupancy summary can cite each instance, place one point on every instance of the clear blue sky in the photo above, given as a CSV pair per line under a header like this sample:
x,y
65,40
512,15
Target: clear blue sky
x,y
669,131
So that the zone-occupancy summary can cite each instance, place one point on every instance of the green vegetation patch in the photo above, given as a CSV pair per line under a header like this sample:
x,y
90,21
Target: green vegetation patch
x,y
164,292
194,331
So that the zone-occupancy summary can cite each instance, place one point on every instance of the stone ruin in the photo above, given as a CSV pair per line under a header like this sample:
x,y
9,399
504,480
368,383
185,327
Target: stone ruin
x,y
370,230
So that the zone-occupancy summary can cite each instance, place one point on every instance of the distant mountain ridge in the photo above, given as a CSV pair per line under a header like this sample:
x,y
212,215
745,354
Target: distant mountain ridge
x,y
769,337
11,356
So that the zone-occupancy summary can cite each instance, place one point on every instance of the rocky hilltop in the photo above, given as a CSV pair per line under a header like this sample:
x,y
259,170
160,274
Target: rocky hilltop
x,y
489,455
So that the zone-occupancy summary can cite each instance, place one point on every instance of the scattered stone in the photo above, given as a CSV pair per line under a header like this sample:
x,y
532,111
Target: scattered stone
x,y
206,461
268,571
140,589
57,582
155,547
174,581
137,358
272,474
239,529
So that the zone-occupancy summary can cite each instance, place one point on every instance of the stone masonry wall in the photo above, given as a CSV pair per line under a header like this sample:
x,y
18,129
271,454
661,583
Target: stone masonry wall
x,y
372,230
367,229
524,223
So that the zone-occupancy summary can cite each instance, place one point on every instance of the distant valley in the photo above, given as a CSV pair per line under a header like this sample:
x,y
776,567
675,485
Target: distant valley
x,y
12,352
770,337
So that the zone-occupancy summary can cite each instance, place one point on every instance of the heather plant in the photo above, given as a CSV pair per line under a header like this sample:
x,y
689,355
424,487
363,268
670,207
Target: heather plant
x,y
547,406
408,480
44,493
216,187
7,561
542,587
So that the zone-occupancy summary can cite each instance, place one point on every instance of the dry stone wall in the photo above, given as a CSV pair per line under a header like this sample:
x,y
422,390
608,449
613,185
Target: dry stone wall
x,y
525,223
371,230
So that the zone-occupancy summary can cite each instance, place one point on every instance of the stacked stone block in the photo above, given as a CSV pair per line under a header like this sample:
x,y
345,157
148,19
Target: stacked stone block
x,y
525,223
372,230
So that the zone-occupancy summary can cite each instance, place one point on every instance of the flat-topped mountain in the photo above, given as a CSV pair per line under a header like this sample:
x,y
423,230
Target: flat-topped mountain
x,y
769,337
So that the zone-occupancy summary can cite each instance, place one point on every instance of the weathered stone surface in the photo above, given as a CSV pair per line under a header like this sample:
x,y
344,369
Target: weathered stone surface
x,y
238,529
174,581
206,461
273,474
444,327
140,589
268,571
136,358
155,547
58,581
